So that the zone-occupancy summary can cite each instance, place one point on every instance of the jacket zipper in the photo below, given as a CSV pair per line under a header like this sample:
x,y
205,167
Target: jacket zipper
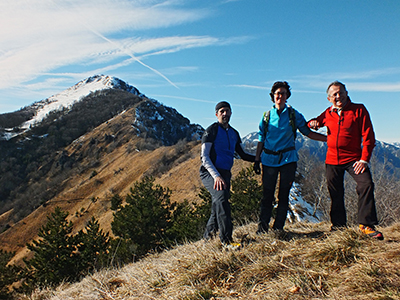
x,y
227,136
337,138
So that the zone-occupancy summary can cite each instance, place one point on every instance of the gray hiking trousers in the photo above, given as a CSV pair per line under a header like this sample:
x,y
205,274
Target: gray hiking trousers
x,y
220,218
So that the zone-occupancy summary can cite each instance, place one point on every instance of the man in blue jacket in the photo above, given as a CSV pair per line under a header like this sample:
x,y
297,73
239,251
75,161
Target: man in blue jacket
x,y
219,143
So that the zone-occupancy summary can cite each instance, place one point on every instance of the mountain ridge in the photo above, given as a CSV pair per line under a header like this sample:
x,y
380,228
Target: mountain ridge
x,y
65,99
79,156
37,162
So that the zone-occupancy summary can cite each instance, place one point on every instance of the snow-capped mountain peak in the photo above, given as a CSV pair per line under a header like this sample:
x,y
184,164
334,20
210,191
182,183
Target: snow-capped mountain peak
x,y
68,97
75,93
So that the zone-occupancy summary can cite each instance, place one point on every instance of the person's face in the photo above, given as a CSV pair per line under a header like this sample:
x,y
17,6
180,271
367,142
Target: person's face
x,y
337,95
224,115
280,97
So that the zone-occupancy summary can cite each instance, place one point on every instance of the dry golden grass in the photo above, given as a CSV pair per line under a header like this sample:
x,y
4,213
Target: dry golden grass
x,y
304,262
118,166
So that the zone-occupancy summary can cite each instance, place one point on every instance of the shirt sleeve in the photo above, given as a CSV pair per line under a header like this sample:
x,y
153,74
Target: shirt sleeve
x,y
243,155
368,135
301,124
320,119
261,131
206,159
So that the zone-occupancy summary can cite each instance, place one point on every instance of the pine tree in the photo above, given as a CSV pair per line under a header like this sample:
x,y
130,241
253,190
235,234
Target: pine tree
x,y
246,196
145,218
93,247
188,220
54,253
9,274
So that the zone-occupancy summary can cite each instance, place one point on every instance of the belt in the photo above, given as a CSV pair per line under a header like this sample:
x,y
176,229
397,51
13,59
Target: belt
x,y
280,152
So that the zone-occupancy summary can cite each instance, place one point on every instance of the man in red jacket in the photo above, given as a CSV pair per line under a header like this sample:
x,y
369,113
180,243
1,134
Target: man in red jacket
x,y
351,140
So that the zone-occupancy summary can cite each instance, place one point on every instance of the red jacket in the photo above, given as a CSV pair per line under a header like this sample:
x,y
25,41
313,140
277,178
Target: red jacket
x,y
346,133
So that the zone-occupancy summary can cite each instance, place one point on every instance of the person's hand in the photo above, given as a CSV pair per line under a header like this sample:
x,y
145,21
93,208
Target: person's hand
x,y
256,167
359,167
314,124
219,184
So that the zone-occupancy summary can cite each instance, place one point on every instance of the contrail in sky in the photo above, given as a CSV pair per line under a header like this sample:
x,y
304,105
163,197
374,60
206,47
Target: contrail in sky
x,y
131,55
122,49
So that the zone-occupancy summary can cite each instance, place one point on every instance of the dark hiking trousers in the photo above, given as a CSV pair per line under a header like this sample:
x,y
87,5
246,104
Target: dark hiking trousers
x,y
269,178
220,218
365,191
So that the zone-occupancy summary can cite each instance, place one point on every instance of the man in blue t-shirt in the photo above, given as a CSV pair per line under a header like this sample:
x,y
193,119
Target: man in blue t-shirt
x,y
218,145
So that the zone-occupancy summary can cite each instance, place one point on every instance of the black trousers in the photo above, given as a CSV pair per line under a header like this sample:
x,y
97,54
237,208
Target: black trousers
x,y
269,178
365,191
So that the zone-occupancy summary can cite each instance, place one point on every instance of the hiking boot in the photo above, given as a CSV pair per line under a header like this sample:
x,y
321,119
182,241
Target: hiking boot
x,y
370,230
232,246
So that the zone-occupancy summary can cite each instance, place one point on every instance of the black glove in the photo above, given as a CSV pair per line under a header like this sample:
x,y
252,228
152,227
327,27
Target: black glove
x,y
257,168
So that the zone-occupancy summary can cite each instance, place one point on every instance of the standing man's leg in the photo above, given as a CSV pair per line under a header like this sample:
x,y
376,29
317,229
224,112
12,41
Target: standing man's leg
x,y
366,201
220,217
212,224
269,177
287,174
335,178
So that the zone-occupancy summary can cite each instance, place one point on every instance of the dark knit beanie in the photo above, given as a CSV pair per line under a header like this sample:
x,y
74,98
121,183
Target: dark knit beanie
x,y
222,104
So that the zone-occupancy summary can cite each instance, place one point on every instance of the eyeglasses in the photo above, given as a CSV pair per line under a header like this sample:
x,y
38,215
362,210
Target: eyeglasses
x,y
338,94
280,93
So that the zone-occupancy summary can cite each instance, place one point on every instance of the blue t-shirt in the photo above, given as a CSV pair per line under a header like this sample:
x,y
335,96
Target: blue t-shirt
x,y
224,145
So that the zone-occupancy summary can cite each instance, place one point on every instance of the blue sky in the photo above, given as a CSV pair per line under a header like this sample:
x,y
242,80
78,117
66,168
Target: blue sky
x,y
191,54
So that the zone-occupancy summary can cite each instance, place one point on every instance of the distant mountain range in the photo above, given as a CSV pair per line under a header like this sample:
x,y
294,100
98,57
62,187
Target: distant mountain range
x,y
384,153
97,138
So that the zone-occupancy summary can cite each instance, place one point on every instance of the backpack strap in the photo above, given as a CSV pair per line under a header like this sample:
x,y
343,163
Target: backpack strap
x,y
266,118
292,120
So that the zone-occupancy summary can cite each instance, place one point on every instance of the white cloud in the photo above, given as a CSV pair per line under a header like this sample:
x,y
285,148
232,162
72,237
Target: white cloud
x,y
377,80
374,87
39,36
247,86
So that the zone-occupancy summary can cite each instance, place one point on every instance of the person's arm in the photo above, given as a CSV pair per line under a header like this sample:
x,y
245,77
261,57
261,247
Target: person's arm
x,y
368,135
206,160
368,142
260,146
317,136
258,151
243,155
219,182
257,160
303,126
318,122
314,124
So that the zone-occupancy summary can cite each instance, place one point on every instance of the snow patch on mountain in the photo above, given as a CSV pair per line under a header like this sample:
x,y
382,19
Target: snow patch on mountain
x,y
164,124
69,97
300,210
72,95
